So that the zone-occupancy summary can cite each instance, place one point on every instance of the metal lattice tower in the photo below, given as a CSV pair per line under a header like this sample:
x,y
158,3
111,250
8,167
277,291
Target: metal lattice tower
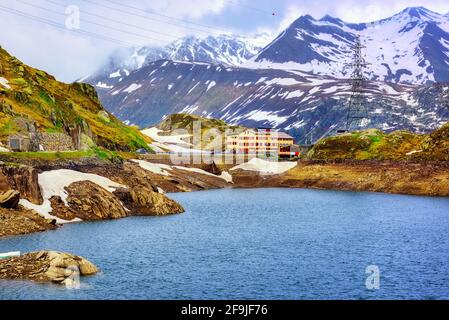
x,y
356,109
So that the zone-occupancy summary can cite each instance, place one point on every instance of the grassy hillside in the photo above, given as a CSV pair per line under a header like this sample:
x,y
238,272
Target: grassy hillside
x,y
186,121
377,145
31,97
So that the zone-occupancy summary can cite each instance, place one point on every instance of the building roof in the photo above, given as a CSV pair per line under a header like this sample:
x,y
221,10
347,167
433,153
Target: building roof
x,y
279,135
284,135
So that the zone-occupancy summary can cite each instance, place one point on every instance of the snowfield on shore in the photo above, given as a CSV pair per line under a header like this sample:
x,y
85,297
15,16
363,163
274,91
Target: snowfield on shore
x,y
153,133
163,169
266,167
53,183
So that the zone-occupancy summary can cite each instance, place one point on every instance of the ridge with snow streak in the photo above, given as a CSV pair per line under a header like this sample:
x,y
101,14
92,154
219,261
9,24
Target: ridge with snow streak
x,y
298,102
410,47
222,49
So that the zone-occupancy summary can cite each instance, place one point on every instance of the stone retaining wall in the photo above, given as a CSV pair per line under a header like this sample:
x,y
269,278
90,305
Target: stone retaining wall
x,y
54,141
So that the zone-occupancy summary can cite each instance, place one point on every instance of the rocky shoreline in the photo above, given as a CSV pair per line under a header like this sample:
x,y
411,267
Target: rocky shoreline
x,y
406,178
47,267
142,192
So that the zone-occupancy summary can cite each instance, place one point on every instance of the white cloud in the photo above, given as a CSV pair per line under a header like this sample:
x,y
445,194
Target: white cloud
x,y
193,9
69,55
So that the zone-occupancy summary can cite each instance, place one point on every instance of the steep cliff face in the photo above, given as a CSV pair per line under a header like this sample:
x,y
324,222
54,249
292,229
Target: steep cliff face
x,y
34,101
23,179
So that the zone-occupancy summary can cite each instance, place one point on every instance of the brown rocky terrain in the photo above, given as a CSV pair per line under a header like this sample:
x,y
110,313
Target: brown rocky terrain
x,y
143,192
145,202
43,266
424,179
142,195
131,174
22,221
89,202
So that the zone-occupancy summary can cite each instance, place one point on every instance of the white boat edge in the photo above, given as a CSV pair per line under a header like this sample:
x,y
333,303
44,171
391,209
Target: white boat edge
x,y
8,255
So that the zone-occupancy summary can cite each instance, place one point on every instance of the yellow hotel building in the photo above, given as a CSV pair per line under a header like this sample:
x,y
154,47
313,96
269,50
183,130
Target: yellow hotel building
x,y
261,141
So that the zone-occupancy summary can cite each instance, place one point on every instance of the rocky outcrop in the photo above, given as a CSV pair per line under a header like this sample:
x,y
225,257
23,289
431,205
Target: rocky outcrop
x,y
21,221
142,201
424,179
47,266
131,174
88,201
22,178
9,199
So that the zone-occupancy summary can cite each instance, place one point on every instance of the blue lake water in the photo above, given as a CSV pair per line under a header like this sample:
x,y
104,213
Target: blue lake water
x,y
258,244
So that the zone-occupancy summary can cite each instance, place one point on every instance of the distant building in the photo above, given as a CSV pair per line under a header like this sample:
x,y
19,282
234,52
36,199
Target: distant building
x,y
262,141
19,143
40,141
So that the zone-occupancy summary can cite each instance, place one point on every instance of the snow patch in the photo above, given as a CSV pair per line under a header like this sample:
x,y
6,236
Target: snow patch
x,y
53,183
266,167
115,74
153,133
211,85
157,168
103,85
164,169
133,88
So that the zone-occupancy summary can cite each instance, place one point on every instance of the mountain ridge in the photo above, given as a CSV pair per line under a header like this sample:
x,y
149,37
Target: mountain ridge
x,y
299,102
324,47
409,57
221,49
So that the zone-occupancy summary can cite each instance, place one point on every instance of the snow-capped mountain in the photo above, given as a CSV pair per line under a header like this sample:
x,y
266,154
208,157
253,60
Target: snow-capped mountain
x,y
410,47
304,104
299,82
222,49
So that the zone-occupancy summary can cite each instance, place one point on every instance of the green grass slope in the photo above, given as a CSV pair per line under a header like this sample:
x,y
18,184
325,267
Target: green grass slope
x,y
185,121
32,96
377,145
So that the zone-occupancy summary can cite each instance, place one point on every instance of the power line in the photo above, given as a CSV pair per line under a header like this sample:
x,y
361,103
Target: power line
x,y
63,27
92,22
116,21
148,18
165,16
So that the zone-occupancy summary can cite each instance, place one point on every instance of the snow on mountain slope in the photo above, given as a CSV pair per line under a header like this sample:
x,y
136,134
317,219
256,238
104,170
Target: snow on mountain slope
x,y
410,47
301,103
299,82
222,49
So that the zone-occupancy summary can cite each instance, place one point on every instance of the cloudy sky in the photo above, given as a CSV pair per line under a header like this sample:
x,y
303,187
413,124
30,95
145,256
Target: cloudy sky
x,y
36,30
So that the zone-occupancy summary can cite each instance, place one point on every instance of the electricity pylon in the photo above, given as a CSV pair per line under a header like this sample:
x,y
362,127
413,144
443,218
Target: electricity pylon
x,y
356,109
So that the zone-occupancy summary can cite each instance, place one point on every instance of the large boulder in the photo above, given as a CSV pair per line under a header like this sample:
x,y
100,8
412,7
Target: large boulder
x,y
47,266
143,201
88,201
9,199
